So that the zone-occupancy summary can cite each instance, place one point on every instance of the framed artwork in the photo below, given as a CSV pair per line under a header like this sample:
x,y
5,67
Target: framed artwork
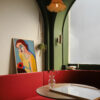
x,y
24,56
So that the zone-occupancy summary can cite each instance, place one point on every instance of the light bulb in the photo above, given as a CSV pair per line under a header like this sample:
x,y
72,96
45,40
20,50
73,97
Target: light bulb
x,y
57,5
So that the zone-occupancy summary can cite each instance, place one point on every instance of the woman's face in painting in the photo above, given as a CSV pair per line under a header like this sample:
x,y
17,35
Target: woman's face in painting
x,y
20,47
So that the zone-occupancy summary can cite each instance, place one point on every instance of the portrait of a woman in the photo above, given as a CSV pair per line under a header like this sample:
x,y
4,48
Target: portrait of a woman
x,y
28,61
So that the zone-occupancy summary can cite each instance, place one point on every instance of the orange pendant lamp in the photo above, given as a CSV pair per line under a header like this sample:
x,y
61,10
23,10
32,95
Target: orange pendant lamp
x,y
56,6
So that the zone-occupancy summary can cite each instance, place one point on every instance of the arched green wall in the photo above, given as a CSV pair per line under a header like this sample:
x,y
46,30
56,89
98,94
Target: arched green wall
x,y
55,24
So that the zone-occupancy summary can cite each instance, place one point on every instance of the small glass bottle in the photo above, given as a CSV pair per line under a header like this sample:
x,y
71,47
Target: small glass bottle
x,y
51,81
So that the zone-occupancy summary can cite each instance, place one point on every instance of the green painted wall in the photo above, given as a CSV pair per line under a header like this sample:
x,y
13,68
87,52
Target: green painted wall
x,y
65,42
55,24
58,47
61,28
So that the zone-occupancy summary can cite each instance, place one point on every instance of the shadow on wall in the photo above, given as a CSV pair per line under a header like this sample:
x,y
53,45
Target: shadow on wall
x,y
12,67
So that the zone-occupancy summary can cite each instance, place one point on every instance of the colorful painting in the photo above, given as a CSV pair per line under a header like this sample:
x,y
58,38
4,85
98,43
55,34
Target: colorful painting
x,y
24,56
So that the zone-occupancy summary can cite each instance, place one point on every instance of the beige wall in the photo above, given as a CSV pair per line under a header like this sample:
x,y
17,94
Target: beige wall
x,y
18,19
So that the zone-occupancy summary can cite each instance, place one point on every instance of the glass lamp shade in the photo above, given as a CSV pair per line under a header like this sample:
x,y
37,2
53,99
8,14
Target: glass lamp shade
x,y
56,6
